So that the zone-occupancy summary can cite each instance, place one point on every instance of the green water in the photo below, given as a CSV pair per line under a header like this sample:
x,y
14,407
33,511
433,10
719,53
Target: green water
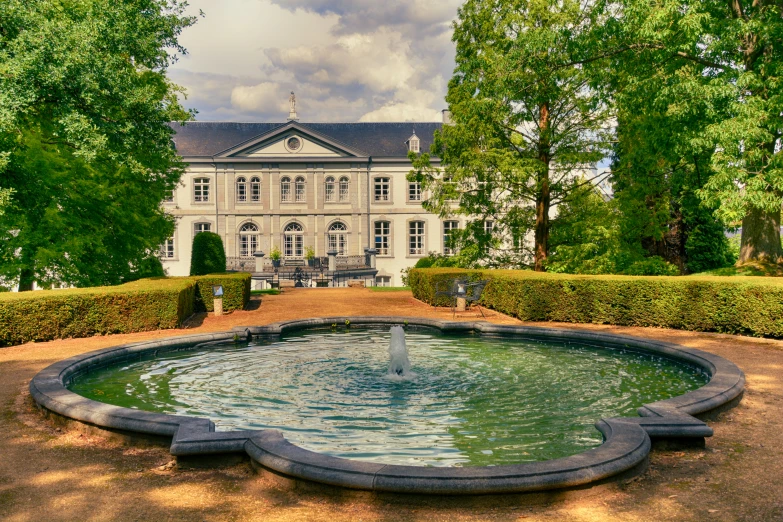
x,y
475,400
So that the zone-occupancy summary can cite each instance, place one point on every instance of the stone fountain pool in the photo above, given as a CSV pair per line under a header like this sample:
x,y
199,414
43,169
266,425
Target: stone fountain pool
x,y
485,408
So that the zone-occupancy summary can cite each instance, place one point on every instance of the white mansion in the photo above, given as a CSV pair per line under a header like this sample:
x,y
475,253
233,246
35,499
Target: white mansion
x,y
299,186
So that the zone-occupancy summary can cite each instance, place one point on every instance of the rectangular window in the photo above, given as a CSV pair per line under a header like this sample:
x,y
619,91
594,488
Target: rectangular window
x,y
416,238
382,189
382,233
448,228
414,191
255,190
489,226
201,190
167,249
202,227
241,192
383,281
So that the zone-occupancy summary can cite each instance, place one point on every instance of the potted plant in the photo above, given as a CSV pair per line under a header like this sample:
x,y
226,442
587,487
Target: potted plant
x,y
309,256
275,256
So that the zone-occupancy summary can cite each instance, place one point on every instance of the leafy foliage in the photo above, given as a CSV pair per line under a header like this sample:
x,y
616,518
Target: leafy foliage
x,y
705,77
208,255
526,120
84,140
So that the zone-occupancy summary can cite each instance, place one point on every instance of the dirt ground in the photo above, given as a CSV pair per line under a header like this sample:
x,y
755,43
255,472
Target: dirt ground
x,y
47,473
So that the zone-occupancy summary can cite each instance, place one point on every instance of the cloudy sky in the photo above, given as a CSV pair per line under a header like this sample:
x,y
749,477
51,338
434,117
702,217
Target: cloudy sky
x,y
347,60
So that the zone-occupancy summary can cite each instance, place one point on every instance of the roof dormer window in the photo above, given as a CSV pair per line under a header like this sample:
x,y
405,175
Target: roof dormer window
x,y
414,144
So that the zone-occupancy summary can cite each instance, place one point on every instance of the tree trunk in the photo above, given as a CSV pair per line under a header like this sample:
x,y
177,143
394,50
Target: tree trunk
x,y
26,280
542,225
760,237
543,198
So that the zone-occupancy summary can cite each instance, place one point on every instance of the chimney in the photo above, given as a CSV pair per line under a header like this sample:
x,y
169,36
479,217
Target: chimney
x,y
447,117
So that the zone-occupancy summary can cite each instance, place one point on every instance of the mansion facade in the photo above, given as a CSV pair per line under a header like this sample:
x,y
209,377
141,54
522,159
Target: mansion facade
x,y
304,188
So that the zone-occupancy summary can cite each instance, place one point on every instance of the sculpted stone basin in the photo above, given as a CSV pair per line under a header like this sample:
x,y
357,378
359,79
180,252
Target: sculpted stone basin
x,y
490,409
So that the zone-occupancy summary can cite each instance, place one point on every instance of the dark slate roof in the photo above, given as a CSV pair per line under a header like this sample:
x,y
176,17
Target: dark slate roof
x,y
374,139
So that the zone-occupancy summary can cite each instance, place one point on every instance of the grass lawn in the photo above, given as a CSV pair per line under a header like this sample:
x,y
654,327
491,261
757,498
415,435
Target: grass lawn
x,y
390,288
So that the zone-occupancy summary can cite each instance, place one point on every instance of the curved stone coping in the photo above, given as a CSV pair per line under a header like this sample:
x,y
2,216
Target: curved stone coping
x,y
626,439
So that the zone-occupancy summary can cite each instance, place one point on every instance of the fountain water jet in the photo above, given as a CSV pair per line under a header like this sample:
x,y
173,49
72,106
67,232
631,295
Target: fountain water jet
x,y
399,364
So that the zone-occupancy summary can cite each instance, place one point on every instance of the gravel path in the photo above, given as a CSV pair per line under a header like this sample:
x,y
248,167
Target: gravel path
x,y
49,474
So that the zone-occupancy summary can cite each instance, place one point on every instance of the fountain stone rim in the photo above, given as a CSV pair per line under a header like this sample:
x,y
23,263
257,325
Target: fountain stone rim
x,y
627,440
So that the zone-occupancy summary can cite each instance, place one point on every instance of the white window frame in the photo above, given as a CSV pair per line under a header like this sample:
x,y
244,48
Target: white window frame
x,y
201,190
201,226
330,195
383,237
414,191
241,184
417,236
248,240
255,189
344,189
167,250
300,190
337,238
382,189
293,241
285,189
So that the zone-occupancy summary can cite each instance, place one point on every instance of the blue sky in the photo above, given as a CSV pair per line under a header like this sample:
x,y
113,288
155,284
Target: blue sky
x,y
347,60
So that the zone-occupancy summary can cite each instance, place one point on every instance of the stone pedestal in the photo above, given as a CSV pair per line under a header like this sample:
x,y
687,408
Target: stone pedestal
x,y
460,304
259,261
372,253
332,260
218,305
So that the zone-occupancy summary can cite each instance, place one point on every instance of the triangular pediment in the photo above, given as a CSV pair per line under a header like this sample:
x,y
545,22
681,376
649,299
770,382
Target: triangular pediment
x,y
291,140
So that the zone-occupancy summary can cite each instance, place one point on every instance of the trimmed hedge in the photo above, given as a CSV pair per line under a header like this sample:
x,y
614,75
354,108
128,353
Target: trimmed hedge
x,y
147,304
737,305
236,291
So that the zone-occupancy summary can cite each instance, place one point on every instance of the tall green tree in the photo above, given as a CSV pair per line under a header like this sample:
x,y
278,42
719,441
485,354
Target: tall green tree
x,y
527,118
719,65
84,139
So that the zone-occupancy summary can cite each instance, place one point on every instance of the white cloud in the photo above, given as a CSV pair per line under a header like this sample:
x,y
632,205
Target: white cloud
x,y
262,97
347,60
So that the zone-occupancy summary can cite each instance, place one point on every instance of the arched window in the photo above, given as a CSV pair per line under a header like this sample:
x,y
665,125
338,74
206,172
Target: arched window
x,y
248,240
255,189
344,188
241,190
293,240
285,189
329,189
300,189
337,239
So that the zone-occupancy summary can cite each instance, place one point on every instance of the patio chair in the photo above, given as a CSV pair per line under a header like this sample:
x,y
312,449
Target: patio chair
x,y
473,294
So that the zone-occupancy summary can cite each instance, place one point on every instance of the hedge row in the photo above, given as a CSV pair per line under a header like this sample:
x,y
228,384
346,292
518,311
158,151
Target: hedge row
x,y
737,305
236,291
148,304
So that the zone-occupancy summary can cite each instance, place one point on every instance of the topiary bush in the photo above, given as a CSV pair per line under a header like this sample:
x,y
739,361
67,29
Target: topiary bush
x,y
747,305
208,255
